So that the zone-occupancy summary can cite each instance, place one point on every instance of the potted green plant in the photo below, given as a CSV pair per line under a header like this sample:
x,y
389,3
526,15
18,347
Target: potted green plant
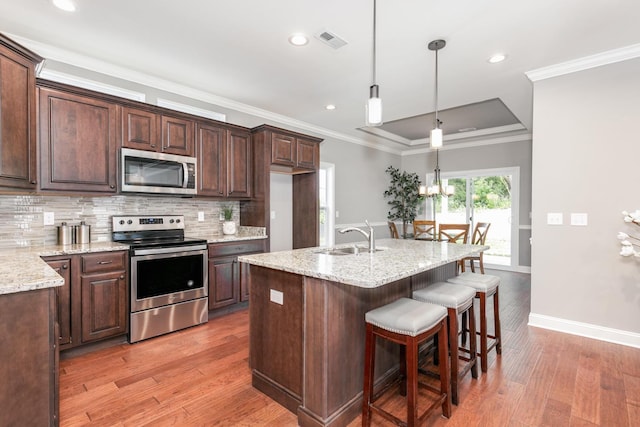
x,y
404,194
228,226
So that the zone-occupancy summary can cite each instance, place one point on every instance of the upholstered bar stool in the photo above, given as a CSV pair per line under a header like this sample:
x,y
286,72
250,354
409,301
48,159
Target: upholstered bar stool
x,y
457,300
485,285
407,322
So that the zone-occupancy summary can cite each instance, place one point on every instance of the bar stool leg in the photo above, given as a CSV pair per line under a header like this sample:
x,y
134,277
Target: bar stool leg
x,y
445,372
370,350
453,344
411,354
473,351
496,322
483,331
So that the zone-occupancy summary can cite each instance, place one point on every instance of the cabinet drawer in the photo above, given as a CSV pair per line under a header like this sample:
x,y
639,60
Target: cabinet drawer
x,y
103,261
226,249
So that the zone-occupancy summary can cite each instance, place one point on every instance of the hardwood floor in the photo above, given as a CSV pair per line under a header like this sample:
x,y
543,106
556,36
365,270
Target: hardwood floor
x,y
200,377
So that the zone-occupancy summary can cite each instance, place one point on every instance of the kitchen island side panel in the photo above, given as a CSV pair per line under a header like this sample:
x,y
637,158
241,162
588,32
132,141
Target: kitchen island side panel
x,y
334,338
275,343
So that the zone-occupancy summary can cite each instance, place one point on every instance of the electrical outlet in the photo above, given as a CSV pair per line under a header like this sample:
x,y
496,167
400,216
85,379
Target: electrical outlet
x,y
273,214
200,216
49,218
554,218
276,296
579,219
221,218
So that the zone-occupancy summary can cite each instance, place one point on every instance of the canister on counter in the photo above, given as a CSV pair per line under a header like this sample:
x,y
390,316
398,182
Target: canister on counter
x,y
83,233
65,234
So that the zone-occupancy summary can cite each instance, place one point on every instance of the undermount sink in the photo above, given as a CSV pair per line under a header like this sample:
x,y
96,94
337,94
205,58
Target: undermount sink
x,y
351,250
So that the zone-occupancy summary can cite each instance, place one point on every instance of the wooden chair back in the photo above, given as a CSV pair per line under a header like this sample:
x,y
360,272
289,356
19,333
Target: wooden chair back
x,y
393,230
424,229
480,233
454,233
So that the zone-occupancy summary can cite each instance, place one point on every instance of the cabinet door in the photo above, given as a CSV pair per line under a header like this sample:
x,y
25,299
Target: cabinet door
x,y
223,282
239,164
104,305
177,136
17,121
139,129
283,149
77,143
63,301
244,279
308,154
212,160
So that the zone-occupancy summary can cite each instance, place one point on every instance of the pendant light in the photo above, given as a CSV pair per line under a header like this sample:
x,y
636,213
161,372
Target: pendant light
x,y
374,104
436,132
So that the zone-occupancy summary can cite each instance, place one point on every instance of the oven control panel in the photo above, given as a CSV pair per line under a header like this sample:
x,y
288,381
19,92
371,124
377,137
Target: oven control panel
x,y
147,223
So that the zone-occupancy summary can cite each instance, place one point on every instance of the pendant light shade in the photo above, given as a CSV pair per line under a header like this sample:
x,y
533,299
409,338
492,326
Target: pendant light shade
x,y
374,104
436,132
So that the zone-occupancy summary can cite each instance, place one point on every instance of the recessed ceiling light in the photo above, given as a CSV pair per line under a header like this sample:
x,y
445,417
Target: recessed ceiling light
x,y
298,39
330,107
498,57
66,5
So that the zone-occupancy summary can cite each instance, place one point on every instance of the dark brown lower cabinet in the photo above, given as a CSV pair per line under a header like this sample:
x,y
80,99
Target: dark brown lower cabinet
x,y
227,277
29,355
92,305
104,305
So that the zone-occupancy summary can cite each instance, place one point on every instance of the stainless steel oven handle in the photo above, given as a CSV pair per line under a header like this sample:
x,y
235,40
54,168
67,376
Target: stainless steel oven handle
x,y
169,250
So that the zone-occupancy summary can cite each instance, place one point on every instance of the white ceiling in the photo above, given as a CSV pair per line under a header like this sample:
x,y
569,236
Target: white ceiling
x,y
239,50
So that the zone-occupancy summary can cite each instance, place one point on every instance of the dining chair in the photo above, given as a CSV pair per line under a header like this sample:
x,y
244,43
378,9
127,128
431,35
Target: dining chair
x,y
393,230
424,229
478,237
454,233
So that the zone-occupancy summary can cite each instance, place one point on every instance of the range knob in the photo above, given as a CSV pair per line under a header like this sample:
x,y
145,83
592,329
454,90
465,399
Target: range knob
x,y
177,221
122,222
171,221
129,222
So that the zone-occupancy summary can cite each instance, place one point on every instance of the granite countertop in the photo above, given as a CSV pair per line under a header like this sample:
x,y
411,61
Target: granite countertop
x,y
398,259
22,269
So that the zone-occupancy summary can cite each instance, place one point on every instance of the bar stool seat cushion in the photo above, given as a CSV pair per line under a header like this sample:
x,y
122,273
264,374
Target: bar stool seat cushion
x,y
406,316
480,282
446,294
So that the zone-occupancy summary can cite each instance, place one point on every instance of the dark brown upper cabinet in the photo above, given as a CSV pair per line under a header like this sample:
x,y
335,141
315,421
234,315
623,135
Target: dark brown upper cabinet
x,y
154,131
224,161
18,141
78,140
293,153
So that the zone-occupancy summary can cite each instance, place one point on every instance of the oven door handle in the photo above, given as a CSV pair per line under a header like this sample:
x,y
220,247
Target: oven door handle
x,y
169,250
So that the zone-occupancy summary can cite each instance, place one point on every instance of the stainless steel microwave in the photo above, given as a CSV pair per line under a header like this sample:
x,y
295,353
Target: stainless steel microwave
x,y
157,173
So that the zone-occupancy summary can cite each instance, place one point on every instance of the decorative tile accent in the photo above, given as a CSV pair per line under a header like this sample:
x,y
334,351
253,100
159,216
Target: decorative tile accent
x,y
21,216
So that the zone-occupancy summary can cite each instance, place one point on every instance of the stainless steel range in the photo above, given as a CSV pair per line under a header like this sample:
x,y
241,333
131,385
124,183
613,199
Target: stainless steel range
x,y
168,274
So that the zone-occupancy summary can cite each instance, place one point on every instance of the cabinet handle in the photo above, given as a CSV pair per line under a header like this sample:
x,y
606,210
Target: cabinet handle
x,y
34,182
65,266
122,277
112,186
105,262
153,145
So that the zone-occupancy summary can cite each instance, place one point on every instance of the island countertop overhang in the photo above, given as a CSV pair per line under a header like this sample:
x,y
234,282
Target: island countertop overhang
x,y
398,259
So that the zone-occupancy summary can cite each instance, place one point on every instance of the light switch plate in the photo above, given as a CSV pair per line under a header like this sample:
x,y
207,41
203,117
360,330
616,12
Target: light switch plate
x,y
276,296
554,218
200,216
273,214
579,219
49,218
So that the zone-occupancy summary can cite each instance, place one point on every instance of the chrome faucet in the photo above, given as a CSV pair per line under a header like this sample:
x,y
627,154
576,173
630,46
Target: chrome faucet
x,y
369,236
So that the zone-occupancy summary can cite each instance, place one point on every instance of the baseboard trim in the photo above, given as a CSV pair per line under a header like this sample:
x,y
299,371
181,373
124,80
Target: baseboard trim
x,y
601,333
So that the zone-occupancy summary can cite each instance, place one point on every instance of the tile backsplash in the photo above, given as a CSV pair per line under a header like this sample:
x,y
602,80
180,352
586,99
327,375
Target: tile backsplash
x,y
22,216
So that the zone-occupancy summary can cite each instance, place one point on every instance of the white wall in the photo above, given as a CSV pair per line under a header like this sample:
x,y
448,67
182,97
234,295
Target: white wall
x,y
586,153
281,202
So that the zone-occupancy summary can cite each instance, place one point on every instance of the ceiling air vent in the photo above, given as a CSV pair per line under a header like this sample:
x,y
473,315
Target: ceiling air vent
x,y
331,39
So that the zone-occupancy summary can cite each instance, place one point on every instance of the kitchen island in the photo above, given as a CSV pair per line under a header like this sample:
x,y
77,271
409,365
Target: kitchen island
x,y
307,324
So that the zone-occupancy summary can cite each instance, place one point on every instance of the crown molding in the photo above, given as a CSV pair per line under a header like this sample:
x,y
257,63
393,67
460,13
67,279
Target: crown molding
x,y
112,70
585,63
492,141
72,80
